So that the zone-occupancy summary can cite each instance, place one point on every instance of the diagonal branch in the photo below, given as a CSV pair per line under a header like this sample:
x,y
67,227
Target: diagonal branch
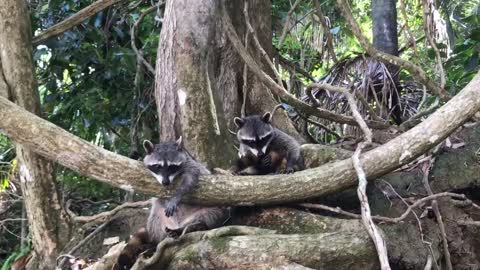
x,y
287,22
326,30
138,52
282,92
73,20
417,72
258,45
81,156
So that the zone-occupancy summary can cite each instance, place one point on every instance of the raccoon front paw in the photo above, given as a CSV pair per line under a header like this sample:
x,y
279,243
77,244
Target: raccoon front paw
x,y
124,262
173,233
289,170
170,210
266,161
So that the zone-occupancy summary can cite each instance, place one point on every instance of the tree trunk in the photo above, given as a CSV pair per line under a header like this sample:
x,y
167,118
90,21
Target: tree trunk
x,y
199,77
384,19
48,222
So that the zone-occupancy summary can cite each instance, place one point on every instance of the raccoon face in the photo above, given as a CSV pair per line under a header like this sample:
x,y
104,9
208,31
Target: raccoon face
x,y
164,160
255,134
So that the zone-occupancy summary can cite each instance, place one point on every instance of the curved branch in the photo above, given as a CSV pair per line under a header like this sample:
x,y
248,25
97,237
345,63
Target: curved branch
x,y
73,20
417,72
138,52
70,151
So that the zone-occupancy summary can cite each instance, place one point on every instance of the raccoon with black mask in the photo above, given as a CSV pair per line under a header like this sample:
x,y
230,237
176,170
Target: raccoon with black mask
x,y
169,162
265,149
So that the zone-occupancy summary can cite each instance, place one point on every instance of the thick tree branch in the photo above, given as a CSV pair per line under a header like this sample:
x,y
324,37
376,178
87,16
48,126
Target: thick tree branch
x,y
57,144
73,20
417,72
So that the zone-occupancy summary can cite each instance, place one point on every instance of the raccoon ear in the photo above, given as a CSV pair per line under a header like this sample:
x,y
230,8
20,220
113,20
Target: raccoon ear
x,y
179,142
239,122
148,146
267,117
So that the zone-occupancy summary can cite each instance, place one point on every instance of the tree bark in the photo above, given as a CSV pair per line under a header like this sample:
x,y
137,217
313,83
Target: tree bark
x,y
187,86
278,251
384,20
79,155
48,223
199,77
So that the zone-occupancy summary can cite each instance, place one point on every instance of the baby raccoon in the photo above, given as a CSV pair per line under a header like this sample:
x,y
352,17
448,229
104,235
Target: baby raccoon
x,y
168,162
265,149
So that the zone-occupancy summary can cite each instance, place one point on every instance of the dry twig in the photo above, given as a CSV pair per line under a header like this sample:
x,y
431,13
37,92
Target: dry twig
x,y
398,219
138,52
427,26
411,38
102,217
426,170
367,220
326,30
287,22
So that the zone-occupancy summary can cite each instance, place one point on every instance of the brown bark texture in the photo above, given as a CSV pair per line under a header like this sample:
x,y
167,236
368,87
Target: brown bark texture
x,y
199,77
79,155
48,222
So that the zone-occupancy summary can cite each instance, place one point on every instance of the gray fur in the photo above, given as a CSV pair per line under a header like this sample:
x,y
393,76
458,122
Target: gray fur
x,y
258,137
169,160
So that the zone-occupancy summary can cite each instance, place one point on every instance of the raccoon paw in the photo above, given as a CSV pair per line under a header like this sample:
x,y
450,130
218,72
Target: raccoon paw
x,y
289,171
124,262
266,161
170,210
173,233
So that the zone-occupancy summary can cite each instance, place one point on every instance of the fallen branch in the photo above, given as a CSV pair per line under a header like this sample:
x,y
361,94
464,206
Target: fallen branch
x,y
417,72
73,20
398,219
81,156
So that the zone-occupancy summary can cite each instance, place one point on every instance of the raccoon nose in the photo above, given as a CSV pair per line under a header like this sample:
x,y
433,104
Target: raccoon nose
x,y
165,182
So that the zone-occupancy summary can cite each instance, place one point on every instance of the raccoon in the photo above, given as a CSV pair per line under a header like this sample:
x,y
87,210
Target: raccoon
x,y
265,149
168,162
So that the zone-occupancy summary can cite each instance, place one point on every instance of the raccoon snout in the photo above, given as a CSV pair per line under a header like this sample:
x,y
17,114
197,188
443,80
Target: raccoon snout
x,y
165,182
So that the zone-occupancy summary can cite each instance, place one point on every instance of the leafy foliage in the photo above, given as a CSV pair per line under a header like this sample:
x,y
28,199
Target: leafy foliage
x,y
87,79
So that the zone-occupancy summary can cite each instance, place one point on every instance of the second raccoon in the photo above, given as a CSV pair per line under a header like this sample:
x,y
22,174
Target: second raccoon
x,y
265,149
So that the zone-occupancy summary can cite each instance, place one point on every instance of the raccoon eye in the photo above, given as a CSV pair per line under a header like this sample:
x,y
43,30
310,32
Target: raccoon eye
x,y
155,168
265,139
173,168
248,142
